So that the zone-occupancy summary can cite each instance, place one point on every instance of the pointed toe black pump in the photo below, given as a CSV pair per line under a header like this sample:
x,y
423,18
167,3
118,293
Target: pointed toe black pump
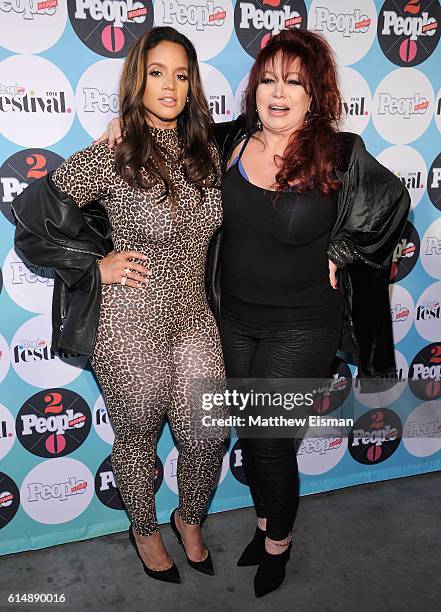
x,y
205,566
169,575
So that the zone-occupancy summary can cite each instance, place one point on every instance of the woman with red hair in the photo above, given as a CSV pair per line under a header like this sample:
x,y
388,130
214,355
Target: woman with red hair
x,y
302,262
300,200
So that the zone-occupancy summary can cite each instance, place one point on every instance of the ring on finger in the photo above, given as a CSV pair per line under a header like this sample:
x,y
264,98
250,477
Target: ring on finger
x,y
126,270
123,280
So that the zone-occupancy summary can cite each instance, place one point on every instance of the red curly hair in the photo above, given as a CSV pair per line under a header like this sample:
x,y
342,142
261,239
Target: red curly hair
x,y
311,156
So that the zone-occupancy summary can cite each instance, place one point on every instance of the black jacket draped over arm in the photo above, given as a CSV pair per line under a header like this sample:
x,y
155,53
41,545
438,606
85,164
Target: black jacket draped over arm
x,y
373,205
372,209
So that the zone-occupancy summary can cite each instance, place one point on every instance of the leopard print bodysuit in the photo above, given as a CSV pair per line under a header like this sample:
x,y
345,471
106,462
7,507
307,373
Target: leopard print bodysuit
x,y
153,341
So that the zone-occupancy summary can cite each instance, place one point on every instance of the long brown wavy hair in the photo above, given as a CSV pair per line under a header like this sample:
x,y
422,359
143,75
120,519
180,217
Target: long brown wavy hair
x,y
138,150
311,156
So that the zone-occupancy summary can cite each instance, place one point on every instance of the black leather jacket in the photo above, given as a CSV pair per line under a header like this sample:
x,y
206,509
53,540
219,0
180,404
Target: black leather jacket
x,y
53,231
372,209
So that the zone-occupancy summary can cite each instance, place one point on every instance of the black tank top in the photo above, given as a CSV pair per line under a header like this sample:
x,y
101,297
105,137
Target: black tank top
x,y
274,261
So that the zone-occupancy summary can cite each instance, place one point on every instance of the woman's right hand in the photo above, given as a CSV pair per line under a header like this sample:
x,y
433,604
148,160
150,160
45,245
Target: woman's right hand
x,y
114,266
112,135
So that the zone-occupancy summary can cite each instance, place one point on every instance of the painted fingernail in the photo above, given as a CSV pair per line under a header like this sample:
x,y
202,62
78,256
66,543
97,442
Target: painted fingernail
x,y
148,272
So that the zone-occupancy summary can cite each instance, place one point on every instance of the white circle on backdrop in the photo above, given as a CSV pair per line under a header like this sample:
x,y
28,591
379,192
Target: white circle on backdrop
x,y
384,398
430,252
101,421
238,96
33,360
57,491
422,430
29,286
31,27
37,107
438,110
402,310
208,24
5,362
7,431
403,105
319,455
218,92
349,29
357,101
409,166
428,313
171,467
96,95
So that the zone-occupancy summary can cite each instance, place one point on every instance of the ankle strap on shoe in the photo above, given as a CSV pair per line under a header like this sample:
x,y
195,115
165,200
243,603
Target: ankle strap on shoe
x,y
286,542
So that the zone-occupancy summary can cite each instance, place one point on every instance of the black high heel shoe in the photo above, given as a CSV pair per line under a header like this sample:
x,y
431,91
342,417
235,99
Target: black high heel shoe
x,y
205,566
169,575
254,550
271,572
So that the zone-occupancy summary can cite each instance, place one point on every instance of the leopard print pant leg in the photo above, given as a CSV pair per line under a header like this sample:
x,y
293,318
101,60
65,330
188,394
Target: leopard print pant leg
x,y
198,367
135,374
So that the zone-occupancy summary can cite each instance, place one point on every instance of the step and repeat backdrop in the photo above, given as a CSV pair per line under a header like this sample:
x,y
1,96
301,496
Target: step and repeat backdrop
x,y
59,68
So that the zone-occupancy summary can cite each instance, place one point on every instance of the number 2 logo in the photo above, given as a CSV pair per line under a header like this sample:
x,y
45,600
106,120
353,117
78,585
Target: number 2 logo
x,y
54,403
38,165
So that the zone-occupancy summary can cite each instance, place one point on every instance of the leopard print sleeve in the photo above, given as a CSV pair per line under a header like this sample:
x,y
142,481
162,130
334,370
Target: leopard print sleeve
x,y
214,153
87,174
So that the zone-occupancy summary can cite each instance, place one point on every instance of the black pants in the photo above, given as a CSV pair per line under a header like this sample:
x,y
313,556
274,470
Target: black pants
x,y
271,464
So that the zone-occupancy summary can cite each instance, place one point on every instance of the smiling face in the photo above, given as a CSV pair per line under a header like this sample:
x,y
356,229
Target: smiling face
x,y
282,101
167,84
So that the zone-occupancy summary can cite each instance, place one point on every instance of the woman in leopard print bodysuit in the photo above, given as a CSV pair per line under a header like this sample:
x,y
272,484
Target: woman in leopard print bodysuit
x,y
156,333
